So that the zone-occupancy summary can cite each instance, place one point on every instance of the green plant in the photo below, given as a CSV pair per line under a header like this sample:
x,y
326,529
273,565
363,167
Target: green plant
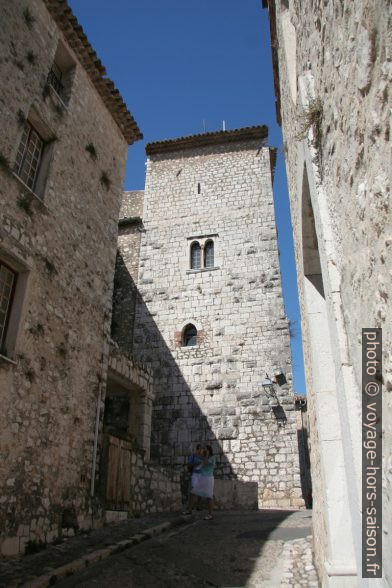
x,y
34,546
37,330
4,163
45,91
30,375
29,18
50,267
21,117
24,202
310,118
105,180
51,139
91,150
31,57
61,350
59,109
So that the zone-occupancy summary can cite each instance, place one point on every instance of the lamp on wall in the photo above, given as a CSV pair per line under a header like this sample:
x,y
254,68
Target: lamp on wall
x,y
269,389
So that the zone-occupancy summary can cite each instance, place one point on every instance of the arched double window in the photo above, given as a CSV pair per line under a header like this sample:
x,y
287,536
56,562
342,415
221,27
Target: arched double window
x,y
189,336
202,255
195,256
209,254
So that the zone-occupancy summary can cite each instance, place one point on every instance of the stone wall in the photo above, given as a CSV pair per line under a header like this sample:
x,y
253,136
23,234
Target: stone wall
x,y
212,392
154,488
62,244
127,268
332,77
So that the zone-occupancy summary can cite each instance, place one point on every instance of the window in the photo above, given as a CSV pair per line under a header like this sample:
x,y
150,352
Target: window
x,y
209,254
60,76
54,79
29,155
190,336
14,276
7,288
202,252
34,153
195,256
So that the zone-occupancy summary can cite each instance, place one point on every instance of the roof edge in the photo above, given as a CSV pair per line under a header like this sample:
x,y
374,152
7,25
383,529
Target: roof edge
x,y
270,6
80,45
205,139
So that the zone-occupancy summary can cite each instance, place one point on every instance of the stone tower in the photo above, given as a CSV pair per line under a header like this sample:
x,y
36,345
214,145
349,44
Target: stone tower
x,y
210,319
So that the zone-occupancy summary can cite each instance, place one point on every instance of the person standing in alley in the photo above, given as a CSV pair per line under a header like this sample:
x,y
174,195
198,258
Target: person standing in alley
x,y
194,465
204,482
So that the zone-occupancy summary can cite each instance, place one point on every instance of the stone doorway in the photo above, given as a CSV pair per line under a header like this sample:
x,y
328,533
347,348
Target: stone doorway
x,y
123,434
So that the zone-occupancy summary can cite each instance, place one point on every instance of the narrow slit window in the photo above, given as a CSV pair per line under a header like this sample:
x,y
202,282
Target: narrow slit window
x,y
195,256
209,254
190,336
198,188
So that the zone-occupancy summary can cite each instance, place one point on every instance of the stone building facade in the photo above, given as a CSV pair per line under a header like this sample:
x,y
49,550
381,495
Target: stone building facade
x,y
63,148
332,68
210,321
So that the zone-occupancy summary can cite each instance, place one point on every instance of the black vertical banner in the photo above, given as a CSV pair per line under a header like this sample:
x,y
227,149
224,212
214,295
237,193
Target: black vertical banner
x,y
371,453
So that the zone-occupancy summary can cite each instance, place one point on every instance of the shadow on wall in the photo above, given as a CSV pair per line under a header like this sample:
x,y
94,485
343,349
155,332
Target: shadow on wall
x,y
178,423
123,305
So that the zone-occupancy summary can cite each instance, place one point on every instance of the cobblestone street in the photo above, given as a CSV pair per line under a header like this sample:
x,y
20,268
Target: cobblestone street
x,y
252,549
235,549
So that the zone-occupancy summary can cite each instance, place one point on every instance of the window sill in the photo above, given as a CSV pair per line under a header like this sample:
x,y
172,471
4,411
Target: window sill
x,y
5,359
190,347
30,192
203,269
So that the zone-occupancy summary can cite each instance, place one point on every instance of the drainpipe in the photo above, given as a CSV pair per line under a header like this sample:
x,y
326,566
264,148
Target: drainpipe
x,y
92,486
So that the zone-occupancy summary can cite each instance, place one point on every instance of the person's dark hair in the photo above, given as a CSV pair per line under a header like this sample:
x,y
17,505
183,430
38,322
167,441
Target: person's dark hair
x,y
209,449
198,446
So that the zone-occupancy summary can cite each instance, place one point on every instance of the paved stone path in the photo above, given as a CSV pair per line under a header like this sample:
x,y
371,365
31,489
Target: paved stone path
x,y
236,549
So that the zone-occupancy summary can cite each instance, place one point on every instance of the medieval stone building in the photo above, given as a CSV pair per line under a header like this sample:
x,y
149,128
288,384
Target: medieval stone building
x,y
209,318
332,68
63,147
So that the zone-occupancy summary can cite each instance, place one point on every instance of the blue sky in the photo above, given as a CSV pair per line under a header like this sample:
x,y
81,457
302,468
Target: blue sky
x,y
178,63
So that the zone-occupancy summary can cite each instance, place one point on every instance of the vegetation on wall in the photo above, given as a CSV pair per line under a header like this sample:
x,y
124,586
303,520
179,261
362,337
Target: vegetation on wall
x,y
28,17
91,150
105,180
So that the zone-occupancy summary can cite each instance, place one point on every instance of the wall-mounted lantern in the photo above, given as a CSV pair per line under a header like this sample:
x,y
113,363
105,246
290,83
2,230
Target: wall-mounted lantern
x,y
269,389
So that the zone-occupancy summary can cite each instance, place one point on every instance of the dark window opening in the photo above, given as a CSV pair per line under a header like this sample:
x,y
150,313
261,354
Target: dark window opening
x,y
209,254
195,256
61,74
198,188
54,79
190,336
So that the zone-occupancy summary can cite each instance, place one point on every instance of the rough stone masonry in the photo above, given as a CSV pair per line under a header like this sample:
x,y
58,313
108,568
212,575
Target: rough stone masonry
x,y
213,192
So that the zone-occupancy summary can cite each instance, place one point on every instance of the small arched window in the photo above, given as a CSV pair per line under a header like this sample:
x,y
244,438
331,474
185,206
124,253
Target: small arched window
x,y
209,254
195,256
189,338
